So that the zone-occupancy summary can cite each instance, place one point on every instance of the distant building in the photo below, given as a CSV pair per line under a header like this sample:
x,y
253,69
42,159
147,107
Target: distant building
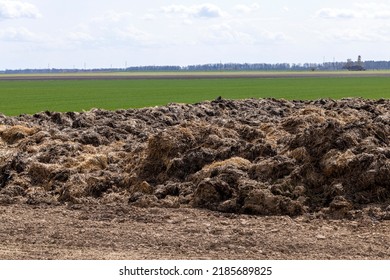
x,y
354,66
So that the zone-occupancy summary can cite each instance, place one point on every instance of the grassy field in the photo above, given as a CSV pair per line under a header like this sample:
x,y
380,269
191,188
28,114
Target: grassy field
x,y
28,97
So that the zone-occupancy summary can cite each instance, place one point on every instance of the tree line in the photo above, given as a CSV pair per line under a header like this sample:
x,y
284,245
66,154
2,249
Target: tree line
x,y
326,66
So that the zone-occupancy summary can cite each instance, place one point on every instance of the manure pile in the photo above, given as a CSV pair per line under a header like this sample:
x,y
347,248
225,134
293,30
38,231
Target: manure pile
x,y
254,156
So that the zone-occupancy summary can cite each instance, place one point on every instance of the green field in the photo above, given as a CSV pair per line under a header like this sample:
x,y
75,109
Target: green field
x,y
28,97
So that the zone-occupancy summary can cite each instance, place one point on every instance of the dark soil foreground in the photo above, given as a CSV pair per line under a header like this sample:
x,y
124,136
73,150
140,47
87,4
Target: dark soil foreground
x,y
249,179
127,232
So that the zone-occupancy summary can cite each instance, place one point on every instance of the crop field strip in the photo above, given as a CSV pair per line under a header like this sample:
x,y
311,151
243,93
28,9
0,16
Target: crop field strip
x,y
28,94
190,75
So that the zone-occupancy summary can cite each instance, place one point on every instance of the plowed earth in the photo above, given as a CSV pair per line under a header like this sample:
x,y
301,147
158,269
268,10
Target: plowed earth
x,y
248,179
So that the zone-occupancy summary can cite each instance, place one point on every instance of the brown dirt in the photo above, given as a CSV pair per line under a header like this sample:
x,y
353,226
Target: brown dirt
x,y
126,232
249,179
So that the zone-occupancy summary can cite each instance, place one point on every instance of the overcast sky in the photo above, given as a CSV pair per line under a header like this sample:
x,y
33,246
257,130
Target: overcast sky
x,y
74,33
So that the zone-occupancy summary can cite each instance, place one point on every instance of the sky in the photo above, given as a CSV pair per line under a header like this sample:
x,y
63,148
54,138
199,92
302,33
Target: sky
x,y
120,33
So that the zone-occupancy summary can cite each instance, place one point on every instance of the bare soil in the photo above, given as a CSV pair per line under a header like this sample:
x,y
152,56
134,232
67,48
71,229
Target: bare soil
x,y
126,232
248,179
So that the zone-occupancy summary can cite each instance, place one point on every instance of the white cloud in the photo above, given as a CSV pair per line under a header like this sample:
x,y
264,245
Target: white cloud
x,y
225,34
367,35
362,11
148,17
206,10
376,10
132,34
17,9
112,28
273,37
106,35
190,31
337,13
373,7
18,34
187,22
79,36
246,9
383,15
112,16
228,34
